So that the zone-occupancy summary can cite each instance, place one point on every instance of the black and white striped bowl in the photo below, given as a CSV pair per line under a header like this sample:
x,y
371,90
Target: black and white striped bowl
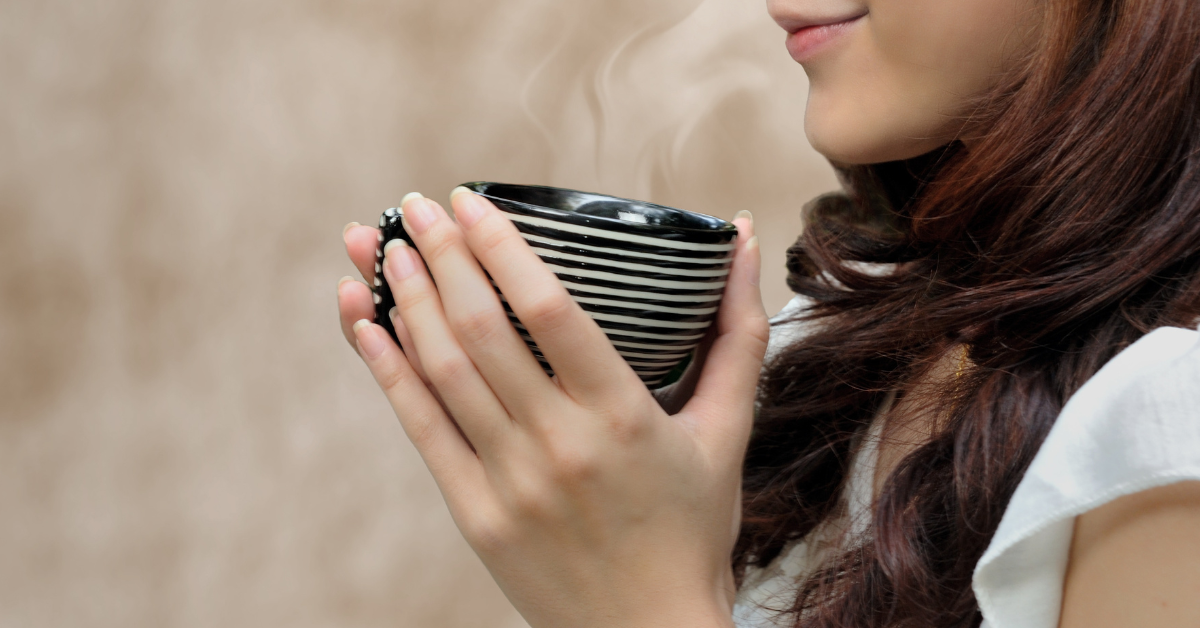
x,y
651,276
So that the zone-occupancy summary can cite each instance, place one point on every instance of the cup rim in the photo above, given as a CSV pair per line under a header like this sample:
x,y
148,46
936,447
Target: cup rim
x,y
720,225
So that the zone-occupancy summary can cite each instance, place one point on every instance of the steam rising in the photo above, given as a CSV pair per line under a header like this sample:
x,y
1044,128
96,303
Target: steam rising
x,y
621,101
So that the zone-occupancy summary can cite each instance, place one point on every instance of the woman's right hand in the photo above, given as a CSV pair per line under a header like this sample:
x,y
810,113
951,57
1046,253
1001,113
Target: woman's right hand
x,y
589,504
361,242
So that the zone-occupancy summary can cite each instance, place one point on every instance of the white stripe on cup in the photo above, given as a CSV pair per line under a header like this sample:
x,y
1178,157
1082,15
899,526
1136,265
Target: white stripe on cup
x,y
646,356
623,332
634,294
645,268
650,373
629,305
619,344
628,253
637,281
649,365
659,347
646,322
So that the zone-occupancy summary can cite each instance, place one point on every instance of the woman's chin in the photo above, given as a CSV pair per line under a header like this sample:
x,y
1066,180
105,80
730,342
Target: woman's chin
x,y
839,152
849,136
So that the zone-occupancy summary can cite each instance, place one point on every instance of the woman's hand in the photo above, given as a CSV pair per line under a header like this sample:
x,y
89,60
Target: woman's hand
x,y
589,504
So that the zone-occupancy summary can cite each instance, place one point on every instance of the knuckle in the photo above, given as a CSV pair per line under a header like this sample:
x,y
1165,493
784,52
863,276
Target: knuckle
x,y
392,378
488,534
628,429
413,300
758,331
493,241
573,467
448,370
421,431
531,498
437,242
480,327
548,313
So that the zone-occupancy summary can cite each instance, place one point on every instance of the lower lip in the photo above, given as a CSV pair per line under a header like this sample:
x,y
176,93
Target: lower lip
x,y
805,43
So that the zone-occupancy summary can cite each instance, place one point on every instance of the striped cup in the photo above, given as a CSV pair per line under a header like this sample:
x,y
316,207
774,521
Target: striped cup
x,y
650,276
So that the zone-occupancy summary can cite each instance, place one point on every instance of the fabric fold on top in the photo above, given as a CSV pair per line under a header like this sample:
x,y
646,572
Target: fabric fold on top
x,y
1133,426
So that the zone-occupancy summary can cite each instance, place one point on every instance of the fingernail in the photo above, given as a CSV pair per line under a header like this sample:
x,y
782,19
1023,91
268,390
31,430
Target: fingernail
x,y
343,280
401,260
408,197
469,210
391,245
392,313
745,214
756,264
348,227
419,215
369,338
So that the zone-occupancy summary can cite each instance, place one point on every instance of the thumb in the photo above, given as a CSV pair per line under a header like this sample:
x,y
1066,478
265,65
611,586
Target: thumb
x,y
722,409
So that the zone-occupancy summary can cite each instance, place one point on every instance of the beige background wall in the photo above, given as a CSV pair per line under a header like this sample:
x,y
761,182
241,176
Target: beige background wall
x,y
184,438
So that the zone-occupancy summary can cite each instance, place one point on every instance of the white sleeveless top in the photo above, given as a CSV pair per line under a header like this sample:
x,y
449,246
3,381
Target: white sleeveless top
x,y
1133,426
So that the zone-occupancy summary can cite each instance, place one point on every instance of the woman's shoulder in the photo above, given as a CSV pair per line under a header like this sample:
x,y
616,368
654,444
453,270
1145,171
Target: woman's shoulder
x,y
1133,426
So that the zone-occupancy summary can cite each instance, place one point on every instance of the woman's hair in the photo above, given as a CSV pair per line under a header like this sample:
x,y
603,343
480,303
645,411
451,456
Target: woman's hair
x,y
1068,231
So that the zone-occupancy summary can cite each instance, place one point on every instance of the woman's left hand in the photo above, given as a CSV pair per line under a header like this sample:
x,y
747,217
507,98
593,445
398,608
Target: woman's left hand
x,y
589,504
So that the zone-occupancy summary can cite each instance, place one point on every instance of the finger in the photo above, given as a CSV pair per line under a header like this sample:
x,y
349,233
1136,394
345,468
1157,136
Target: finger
x,y
361,244
457,470
729,380
410,352
474,311
585,362
450,370
354,304
406,343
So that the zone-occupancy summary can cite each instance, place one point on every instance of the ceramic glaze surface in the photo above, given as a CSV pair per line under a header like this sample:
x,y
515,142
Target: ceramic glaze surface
x,y
651,276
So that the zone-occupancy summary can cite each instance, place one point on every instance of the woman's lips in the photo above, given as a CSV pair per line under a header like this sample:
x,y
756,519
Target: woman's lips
x,y
806,42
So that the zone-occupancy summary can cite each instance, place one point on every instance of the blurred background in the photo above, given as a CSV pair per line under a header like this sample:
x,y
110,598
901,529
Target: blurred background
x,y
185,439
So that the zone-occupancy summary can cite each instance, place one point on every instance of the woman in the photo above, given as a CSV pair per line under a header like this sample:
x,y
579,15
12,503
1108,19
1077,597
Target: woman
x,y
1021,229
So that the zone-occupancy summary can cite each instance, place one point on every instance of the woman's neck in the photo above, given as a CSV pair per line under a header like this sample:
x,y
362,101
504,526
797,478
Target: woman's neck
x,y
914,418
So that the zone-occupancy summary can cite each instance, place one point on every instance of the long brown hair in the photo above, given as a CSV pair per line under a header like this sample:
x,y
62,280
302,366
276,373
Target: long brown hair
x,y
1068,231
